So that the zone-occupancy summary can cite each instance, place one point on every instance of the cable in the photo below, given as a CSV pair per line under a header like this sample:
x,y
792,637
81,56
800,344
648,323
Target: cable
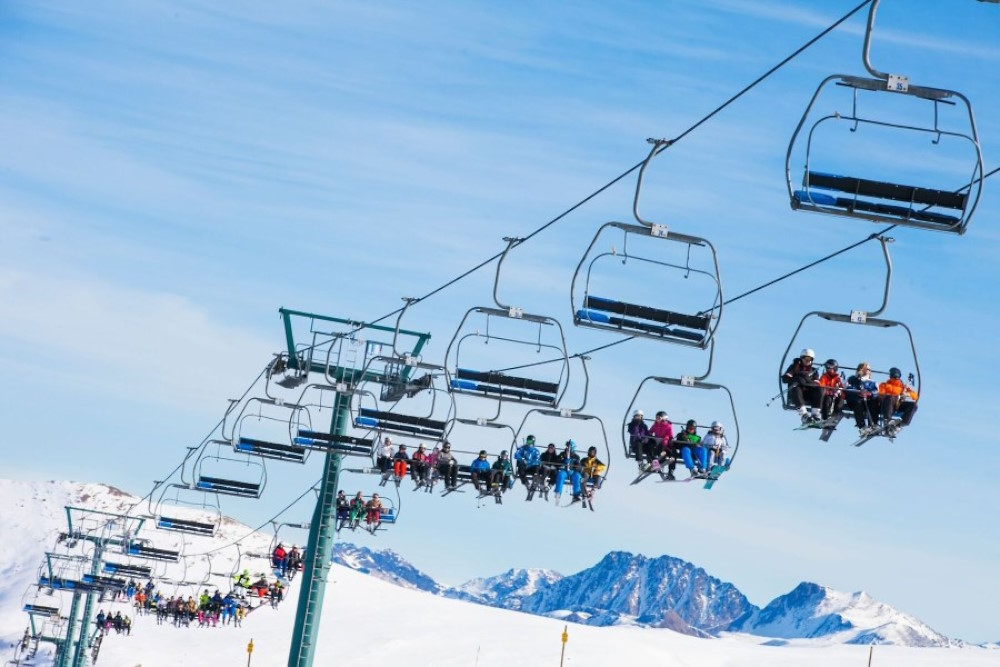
x,y
204,441
256,530
625,173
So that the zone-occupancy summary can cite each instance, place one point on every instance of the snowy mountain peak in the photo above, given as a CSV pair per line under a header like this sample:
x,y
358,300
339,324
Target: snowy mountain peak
x,y
625,588
814,611
385,564
507,589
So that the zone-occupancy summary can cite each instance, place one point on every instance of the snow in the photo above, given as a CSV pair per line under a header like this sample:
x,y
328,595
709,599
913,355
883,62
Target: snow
x,y
370,622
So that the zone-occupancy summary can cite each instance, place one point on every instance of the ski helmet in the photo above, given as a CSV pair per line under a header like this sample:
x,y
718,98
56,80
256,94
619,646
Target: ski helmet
x,y
592,451
716,425
691,423
637,413
808,352
895,373
571,443
831,363
530,440
503,454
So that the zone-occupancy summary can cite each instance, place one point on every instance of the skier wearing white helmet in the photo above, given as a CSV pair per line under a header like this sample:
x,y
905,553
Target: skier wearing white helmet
x,y
715,443
804,391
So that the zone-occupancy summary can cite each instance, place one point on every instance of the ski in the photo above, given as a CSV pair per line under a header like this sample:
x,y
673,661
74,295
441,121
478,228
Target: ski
x,y
812,423
829,426
889,430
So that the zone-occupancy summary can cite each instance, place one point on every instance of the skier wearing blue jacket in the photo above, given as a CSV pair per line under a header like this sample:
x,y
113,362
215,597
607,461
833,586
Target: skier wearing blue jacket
x,y
528,459
570,467
481,470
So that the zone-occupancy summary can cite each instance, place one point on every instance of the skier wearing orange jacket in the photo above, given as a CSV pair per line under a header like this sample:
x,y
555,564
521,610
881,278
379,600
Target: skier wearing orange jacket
x,y
896,396
833,389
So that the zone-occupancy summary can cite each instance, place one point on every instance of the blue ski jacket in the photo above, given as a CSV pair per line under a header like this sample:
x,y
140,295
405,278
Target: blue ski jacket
x,y
529,454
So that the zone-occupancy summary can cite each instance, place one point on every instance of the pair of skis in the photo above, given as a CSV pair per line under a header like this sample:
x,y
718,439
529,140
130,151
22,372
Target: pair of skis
x,y
828,426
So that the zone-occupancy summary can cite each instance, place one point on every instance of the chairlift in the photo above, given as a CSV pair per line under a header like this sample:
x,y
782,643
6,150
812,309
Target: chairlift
x,y
265,427
184,509
856,318
859,193
492,436
653,320
726,414
387,516
527,389
217,472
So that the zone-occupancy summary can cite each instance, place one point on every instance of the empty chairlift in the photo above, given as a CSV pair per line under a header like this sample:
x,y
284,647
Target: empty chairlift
x,y
217,472
890,152
189,510
607,284
265,427
511,334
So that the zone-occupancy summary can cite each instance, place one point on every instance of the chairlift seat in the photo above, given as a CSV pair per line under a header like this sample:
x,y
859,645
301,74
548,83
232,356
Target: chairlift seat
x,y
860,187
399,423
387,515
152,553
596,311
186,526
230,487
111,583
345,444
492,382
42,610
127,570
271,450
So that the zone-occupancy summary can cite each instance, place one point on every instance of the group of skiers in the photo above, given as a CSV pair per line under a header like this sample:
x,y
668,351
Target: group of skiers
x,y
351,512
887,406
286,563
107,622
207,610
657,449
539,471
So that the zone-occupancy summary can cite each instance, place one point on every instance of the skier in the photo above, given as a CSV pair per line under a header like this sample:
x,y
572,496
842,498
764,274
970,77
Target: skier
x,y
637,433
549,463
692,453
502,476
592,472
660,435
528,458
447,467
896,396
418,468
569,466
358,506
804,392
373,517
833,390
715,443
481,473
399,465
384,460
343,510
279,559
862,397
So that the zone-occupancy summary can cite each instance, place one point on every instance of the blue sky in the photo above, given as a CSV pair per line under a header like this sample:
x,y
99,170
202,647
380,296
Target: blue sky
x,y
174,173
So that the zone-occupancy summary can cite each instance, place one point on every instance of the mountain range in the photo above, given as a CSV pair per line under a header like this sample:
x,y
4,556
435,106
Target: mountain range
x,y
665,592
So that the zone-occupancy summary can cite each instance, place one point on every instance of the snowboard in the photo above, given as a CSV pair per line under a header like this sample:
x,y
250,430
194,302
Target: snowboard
x,y
713,475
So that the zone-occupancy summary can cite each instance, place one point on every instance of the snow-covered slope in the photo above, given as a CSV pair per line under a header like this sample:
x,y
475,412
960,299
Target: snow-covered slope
x,y
370,622
813,611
